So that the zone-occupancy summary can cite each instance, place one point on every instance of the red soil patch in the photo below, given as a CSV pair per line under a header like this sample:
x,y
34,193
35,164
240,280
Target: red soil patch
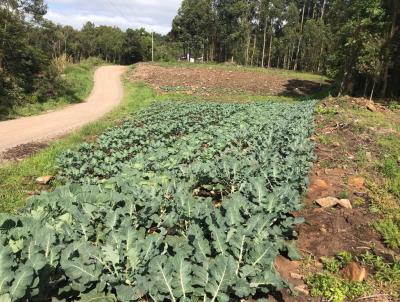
x,y
328,231
216,81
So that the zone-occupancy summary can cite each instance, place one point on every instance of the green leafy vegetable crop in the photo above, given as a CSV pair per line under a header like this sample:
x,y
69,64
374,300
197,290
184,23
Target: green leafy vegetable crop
x,y
184,202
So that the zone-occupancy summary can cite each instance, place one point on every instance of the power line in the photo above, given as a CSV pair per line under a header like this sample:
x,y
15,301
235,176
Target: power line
x,y
117,10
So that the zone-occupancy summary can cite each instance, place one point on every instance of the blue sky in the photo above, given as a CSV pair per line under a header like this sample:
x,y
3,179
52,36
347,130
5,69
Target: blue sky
x,y
154,15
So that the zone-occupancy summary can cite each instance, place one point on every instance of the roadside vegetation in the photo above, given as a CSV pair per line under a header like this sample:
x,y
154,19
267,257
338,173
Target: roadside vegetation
x,y
76,83
35,52
17,179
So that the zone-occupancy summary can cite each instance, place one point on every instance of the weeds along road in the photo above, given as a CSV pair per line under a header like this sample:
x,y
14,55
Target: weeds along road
x,y
107,93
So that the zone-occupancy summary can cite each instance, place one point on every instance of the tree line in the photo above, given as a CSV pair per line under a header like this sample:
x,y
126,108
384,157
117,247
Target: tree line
x,y
30,46
357,42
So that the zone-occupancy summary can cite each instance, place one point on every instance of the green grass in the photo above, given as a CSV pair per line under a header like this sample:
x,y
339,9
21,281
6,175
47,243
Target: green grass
x,y
334,288
384,276
330,284
385,272
79,83
389,166
271,71
17,180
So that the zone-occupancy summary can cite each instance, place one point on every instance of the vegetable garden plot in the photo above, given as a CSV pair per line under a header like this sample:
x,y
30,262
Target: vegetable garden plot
x,y
194,205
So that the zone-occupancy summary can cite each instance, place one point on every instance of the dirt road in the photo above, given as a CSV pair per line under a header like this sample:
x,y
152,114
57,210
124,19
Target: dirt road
x,y
107,93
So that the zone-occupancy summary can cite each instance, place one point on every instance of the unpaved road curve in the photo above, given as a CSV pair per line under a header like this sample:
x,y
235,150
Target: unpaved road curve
x,y
107,93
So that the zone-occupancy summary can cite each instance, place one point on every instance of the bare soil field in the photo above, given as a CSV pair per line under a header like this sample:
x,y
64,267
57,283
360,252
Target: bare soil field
x,y
218,81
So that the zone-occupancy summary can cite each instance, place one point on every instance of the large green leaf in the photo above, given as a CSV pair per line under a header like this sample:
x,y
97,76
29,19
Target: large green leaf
x,y
23,278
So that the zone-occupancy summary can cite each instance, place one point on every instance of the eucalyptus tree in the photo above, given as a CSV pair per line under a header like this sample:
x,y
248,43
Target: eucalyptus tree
x,y
193,27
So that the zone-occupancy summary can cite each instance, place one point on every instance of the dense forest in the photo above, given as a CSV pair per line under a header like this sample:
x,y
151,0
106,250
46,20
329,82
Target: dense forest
x,y
355,42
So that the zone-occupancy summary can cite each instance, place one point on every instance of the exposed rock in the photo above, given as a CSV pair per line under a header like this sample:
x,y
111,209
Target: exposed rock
x,y
296,276
318,184
336,144
345,203
285,267
357,182
303,289
371,107
323,230
44,180
354,272
327,202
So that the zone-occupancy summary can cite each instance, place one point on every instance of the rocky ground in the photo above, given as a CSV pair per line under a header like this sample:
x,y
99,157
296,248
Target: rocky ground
x,y
348,196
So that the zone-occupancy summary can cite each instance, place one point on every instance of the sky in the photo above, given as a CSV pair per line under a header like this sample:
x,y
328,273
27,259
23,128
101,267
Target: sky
x,y
153,15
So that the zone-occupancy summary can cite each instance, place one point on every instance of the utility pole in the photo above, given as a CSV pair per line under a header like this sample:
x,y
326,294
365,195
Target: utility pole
x,y
152,46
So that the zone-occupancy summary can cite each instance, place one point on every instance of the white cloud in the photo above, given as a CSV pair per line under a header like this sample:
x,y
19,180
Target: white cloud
x,y
154,15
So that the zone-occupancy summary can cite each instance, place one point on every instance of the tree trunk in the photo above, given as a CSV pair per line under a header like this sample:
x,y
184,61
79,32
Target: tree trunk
x,y
391,36
5,26
342,84
373,90
320,57
254,49
291,55
284,61
322,42
270,45
3,44
366,86
300,39
323,9
314,9
248,49
264,41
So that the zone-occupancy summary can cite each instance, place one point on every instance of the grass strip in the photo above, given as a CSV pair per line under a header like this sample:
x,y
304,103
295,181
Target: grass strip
x,y
17,179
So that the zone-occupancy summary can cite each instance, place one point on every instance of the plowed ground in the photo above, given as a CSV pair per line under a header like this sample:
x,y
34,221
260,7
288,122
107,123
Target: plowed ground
x,y
219,81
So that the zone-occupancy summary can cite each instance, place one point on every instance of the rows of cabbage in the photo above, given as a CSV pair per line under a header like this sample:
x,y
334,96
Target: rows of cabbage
x,y
183,202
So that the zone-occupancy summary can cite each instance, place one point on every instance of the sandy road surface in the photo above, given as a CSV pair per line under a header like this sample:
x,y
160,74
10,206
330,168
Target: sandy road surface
x,y
107,93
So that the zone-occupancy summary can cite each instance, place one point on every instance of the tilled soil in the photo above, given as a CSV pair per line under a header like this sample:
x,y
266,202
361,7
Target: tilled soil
x,y
22,151
217,81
